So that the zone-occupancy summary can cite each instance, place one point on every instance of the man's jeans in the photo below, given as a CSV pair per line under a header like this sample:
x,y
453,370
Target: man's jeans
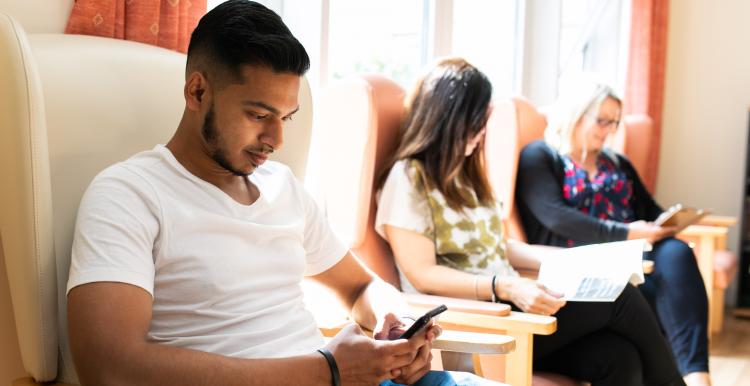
x,y
448,378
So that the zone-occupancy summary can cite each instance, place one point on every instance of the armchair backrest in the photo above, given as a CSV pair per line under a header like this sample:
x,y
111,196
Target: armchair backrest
x,y
73,105
513,124
636,141
356,129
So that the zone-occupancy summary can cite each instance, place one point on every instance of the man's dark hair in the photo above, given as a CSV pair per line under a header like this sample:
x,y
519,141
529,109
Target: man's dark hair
x,y
241,32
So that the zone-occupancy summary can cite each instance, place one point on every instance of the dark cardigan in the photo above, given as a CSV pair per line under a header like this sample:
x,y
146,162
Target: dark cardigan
x,y
547,219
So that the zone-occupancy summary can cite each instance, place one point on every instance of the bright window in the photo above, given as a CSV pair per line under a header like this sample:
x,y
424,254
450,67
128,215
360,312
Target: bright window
x,y
593,39
384,36
484,33
524,47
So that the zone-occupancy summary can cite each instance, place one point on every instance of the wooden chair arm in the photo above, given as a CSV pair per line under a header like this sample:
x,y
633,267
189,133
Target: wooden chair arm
x,y
474,343
449,340
718,221
517,322
329,313
704,230
456,304
479,316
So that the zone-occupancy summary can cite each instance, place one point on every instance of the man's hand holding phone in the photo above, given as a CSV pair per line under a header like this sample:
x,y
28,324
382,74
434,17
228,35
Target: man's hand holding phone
x,y
421,333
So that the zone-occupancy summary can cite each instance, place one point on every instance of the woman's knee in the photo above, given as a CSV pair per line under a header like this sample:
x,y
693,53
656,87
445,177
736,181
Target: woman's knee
x,y
629,293
674,262
632,307
672,251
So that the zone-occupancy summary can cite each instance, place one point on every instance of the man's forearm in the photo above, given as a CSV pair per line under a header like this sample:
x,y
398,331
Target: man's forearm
x,y
154,364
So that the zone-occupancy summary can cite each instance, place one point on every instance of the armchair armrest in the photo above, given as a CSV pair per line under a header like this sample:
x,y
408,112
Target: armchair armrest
x,y
479,316
516,322
703,230
456,304
459,341
718,221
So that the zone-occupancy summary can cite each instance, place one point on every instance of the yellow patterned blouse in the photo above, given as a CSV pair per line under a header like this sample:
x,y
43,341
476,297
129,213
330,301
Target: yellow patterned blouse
x,y
472,240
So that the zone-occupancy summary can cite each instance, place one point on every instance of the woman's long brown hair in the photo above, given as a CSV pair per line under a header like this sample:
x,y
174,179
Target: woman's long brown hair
x,y
448,107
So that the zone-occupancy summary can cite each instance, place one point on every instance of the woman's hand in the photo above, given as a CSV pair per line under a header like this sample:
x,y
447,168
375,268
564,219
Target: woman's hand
x,y
530,296
647,230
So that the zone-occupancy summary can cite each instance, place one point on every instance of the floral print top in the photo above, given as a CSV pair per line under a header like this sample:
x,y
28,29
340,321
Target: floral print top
x,y
607,196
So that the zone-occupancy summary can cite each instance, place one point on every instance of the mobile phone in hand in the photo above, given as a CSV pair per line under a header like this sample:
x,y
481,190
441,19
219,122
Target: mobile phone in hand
x,y
423,321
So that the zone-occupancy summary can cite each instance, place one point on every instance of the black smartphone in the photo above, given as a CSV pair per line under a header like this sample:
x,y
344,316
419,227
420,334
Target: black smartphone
x,y
422,322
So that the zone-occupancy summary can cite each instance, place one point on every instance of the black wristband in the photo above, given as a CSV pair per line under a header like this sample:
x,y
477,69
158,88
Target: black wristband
x,y
495,298
335,377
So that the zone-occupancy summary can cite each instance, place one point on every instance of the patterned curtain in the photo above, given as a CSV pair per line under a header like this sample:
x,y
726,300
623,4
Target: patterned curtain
x,y
163,23
644,92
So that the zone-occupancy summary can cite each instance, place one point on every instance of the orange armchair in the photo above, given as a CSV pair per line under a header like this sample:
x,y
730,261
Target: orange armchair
x,y
365,114
516,122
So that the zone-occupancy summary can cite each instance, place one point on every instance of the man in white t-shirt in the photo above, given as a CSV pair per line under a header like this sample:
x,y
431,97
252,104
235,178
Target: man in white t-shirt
x,y
188,258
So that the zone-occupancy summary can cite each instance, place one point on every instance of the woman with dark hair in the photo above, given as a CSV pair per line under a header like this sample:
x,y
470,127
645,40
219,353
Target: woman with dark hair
x,y
438,212
572,190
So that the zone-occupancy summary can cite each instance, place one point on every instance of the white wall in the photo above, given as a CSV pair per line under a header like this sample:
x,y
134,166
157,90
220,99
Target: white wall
x,y
707,97
39,16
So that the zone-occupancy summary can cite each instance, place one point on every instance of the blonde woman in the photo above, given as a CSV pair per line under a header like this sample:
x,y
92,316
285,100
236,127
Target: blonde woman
x,y
437,211
572,190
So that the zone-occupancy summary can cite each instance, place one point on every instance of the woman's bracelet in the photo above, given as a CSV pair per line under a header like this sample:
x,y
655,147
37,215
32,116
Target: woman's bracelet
x,y
495,298
476,287
335,377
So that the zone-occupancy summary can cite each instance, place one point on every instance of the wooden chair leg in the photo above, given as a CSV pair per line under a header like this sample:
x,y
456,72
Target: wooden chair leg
x,y
514,368
716,313
491,367
520,361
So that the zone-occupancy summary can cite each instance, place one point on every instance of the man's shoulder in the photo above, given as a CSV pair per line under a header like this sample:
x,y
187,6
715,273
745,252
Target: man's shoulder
x,y
133,172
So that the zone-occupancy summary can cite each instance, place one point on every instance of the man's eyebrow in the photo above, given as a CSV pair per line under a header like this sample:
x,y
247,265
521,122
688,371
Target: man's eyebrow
x,y
268,107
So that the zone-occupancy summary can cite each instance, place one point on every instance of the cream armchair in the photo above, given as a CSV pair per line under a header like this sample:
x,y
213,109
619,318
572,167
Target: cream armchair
x,y
70,106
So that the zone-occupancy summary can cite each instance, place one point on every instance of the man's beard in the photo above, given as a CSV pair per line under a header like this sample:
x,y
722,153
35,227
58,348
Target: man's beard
x,y
214,141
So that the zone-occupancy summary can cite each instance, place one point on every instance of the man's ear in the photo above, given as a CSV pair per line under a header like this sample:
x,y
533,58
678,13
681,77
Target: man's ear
x,y
196,91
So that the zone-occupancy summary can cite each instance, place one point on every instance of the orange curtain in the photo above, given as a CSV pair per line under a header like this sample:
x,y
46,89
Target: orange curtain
x,y
644,92
163,23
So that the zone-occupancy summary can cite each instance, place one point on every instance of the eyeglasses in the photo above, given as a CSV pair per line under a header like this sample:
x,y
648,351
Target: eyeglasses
x,y
605,123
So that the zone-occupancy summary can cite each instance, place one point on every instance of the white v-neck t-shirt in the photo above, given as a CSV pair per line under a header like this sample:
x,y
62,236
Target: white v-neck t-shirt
x,y
225,277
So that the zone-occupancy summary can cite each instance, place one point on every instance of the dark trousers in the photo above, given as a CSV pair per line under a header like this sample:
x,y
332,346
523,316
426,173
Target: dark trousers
x,y
677,294
608,343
